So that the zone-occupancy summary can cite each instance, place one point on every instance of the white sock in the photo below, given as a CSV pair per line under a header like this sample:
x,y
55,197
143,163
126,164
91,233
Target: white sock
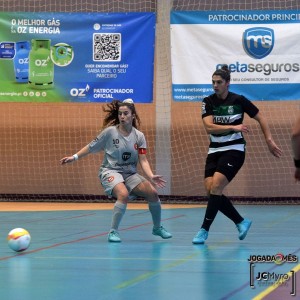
x,y
155,210
118,213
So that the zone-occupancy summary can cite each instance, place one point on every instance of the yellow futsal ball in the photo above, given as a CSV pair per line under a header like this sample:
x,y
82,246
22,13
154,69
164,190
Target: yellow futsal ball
x,y
18,239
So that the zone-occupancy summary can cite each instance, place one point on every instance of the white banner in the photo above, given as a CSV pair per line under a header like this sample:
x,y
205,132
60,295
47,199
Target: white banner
x,y
261,48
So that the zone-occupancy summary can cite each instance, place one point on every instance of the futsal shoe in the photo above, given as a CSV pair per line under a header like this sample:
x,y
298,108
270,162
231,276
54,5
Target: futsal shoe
x,y
243,228
162,232
200,237
114,237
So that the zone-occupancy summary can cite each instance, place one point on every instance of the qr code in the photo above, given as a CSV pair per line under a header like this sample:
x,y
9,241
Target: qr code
x,y
107,46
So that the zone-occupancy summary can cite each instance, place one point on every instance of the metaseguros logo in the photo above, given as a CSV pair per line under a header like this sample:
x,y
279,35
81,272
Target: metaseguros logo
x,y
258,42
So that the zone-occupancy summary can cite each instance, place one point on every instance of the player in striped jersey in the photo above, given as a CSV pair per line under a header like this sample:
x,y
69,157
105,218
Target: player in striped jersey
x,y
222,116
124,146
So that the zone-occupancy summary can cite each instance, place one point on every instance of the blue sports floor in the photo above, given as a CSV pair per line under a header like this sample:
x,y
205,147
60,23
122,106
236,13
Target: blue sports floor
x,y
70,258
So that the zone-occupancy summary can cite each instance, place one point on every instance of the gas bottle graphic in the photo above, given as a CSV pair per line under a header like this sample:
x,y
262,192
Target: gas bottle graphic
x,y
41,67
21,61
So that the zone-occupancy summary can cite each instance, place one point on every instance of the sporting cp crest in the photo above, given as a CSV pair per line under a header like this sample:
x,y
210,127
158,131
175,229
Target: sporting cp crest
x,y
258,42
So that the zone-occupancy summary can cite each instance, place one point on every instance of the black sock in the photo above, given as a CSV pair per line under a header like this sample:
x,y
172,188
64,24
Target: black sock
x,y
229,210
214,202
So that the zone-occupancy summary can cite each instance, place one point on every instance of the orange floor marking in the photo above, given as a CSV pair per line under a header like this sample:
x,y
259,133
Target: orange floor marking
x,y
51,206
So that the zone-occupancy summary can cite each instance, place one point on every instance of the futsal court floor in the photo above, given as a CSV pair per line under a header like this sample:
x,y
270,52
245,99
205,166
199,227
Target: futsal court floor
x,y
70,258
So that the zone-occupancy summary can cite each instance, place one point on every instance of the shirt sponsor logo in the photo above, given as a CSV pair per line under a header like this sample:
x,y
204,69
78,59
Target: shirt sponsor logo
x,y
126,156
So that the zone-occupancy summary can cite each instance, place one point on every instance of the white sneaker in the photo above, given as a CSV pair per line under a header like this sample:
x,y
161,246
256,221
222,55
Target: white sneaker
x,y
114,236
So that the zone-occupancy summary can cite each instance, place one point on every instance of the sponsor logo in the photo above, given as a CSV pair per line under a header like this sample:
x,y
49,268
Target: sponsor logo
x,y
230,110
110,178
79,92
126,156
258,42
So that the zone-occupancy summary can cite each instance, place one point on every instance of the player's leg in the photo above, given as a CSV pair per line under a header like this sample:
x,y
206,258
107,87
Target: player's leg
x,y
214,186
212,182
228,210
243,225
226,206
229,164
217,184
145,190
121,194
113,184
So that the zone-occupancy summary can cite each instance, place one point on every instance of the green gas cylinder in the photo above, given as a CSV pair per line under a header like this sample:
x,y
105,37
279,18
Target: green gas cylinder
x,y
41,67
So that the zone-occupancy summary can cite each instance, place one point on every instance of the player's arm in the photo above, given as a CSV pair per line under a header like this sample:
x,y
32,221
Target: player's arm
x,y
273,148
212,128
81,153
296,148
156,179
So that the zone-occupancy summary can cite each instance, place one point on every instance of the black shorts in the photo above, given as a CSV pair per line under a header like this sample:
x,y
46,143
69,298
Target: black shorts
x,y
226,162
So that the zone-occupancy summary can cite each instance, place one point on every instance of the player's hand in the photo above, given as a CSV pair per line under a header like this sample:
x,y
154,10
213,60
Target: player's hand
x,y
274,149
158,180
241,128
67,159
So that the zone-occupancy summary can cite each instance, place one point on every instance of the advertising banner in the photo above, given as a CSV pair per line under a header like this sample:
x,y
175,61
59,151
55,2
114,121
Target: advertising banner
x,y
76,57
261,48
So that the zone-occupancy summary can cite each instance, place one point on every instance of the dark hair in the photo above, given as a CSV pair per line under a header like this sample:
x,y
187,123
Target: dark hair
x,y
224,72
112,116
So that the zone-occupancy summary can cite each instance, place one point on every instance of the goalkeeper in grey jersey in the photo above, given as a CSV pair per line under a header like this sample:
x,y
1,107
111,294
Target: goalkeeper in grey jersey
x,y
124,146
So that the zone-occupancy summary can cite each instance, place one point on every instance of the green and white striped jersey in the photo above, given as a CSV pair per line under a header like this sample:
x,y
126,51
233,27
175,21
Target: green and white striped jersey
x,y
225,112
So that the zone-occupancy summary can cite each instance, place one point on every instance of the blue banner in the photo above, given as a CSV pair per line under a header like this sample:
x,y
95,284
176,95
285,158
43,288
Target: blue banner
x,y
76,57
